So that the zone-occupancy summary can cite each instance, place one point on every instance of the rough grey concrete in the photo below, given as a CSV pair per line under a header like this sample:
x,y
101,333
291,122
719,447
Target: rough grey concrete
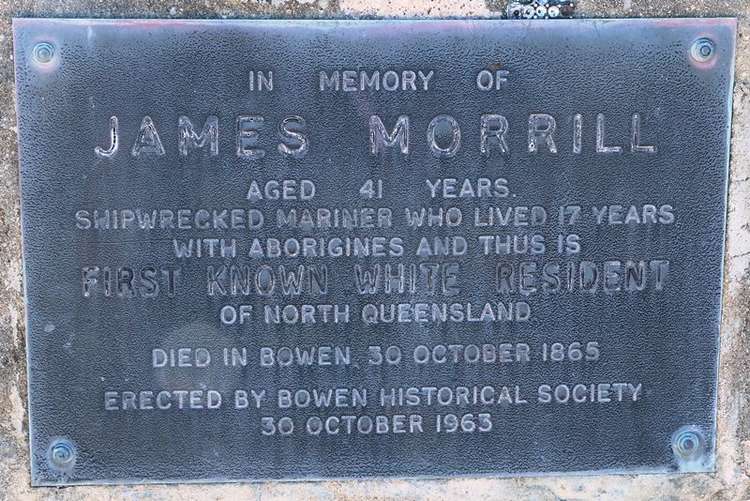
x,y
732,479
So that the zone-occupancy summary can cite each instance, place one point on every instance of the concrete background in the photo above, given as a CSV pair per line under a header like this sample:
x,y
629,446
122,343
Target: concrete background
x,y
732,479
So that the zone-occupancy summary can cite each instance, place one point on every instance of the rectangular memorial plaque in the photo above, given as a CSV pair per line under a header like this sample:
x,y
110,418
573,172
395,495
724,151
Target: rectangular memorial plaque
x,y
309,249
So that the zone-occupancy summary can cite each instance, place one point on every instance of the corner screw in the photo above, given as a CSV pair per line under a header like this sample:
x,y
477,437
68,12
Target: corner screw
x,y
43,52
688,444
62,454
703,50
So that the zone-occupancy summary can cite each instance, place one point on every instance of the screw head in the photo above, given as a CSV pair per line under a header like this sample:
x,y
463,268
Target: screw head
x,y
688,444
62,454
703,50
43,52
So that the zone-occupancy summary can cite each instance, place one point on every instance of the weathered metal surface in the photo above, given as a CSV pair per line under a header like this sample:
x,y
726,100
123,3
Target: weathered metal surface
x,y
608,359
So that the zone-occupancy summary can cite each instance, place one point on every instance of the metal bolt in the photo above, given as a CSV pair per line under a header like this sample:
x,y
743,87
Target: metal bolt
x,y
703,50
43,52
62,454
688,443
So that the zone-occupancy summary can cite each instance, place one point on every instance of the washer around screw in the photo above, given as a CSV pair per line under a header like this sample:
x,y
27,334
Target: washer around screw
x,y
703,50
43,53
62,454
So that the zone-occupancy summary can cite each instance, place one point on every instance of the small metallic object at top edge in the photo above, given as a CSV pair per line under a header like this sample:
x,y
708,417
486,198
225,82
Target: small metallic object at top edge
x,y
540,9
43,53
703,50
